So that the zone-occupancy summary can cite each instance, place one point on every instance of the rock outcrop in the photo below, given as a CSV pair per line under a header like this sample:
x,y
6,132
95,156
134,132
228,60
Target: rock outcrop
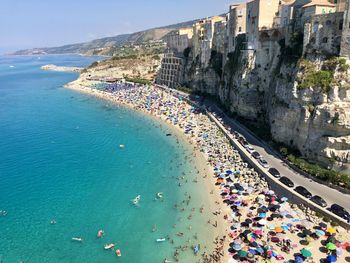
x,y
304,101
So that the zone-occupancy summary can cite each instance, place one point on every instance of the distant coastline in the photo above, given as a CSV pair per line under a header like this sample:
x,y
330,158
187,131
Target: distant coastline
x,y
53,67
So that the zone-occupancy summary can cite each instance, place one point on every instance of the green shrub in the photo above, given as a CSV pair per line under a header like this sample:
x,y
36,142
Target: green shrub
x,y
138,80
284,151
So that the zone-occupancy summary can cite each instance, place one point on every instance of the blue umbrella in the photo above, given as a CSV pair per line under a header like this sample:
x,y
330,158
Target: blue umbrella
x,y
298,259
319,232
331,258
260,250
229,172
237,247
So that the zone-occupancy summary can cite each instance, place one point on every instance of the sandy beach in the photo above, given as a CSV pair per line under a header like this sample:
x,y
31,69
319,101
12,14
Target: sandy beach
x,y
251,223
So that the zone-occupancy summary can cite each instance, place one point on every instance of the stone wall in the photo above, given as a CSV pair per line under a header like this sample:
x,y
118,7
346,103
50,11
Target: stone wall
x,y
323,34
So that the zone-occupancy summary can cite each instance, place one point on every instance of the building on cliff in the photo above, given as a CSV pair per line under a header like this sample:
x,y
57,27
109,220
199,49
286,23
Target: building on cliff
x,y
179,40
202,41
260,16
236,24
326,31
171,71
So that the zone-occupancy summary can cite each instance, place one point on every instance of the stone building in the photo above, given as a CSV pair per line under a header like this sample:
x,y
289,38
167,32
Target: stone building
x,y
323,33
202,41
345,40
328,33
171,71
179,40
236,24
219,36
260,16
316,7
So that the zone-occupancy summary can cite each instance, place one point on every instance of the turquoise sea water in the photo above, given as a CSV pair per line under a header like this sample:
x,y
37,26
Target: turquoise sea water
x,y
60,159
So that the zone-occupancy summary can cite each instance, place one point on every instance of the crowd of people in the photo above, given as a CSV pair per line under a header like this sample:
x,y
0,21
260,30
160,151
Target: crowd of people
x,y
264,227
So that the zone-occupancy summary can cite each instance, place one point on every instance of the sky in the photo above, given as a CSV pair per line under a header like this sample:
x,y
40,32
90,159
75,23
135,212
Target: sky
x,y
46,23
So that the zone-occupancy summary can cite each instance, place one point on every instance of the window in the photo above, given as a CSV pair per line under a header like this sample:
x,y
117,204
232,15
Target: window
x,y
325,40
240,29
341,25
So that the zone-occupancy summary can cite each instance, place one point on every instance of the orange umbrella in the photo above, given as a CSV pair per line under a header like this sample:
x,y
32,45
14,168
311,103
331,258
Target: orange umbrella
x,y
278,229
220,180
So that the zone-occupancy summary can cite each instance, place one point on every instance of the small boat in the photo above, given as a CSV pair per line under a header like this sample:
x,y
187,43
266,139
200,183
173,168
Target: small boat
x,y
136,200
118,253
78,239
168,134
160,195
121,146
12,66
160,239
100,233
109,246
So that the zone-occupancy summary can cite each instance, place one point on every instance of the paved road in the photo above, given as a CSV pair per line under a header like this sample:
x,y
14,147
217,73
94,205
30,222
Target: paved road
x,y
330,195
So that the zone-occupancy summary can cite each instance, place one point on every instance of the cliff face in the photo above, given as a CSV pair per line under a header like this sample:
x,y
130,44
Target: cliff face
x,y
304,101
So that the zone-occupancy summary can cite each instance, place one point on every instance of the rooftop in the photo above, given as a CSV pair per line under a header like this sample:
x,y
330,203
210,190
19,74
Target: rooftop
x,y
319,3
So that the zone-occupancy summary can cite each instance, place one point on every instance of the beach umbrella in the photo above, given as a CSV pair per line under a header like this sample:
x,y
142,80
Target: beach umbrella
x,y
270,192
306,253
242,253
307,232
284,199
298,259
258,232
250,255
323,225
237,247
262,215
251,237
262,209
331,246
331,230
254,244
274,208
278,229
275,215
331,258
331,239
262,222
229,172
339,251
319,232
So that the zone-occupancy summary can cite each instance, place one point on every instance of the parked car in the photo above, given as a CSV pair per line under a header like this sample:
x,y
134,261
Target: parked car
x,y
318,200
339,211
249,148
286,181
256,155
274,172
242,141
303,191
264,163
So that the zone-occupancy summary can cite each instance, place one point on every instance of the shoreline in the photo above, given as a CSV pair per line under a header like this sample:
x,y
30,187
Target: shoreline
x,y
235,188
201,163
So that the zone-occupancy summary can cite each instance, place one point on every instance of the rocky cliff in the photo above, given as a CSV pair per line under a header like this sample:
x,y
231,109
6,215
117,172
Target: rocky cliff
x,y
304,101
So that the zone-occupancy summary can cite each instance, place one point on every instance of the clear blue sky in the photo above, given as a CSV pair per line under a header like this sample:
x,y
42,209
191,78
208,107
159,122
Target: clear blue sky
x,y
42,23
